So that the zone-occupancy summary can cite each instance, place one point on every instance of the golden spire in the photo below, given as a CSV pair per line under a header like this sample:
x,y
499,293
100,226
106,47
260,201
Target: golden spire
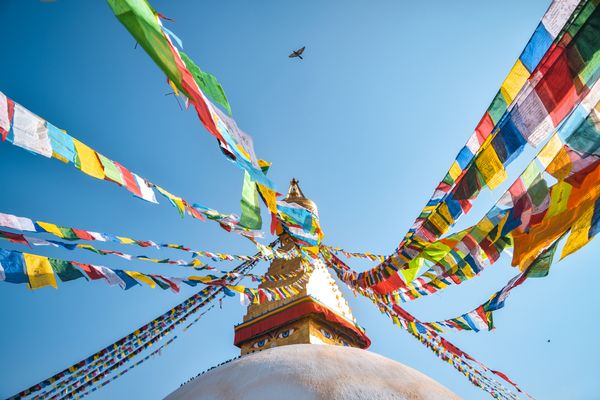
x,y
295,195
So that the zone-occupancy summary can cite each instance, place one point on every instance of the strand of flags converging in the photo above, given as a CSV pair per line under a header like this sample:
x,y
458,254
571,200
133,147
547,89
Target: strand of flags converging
x,y
549,101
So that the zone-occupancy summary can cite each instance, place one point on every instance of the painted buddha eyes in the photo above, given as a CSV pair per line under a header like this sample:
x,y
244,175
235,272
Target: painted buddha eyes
x,y
281,335
327,334
260,343
285,334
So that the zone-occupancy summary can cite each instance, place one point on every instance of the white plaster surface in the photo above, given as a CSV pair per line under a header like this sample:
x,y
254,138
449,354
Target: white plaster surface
x,y
322,287
313,372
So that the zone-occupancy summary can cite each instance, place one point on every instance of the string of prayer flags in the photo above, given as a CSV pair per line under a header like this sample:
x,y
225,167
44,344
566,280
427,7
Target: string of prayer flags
x,y
32,133
25,224
123,350
477,373
175,315
532,213
73,390
31,241
481,318
39,271
536,233
527,217
476,320
123,372
145,26
552,76
367,255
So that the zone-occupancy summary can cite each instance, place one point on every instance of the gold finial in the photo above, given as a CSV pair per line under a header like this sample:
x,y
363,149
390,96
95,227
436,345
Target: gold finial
x,y
295,195
294,191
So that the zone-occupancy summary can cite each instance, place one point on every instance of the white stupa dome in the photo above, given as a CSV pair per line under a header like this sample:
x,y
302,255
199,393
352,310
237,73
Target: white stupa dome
x,y
311,372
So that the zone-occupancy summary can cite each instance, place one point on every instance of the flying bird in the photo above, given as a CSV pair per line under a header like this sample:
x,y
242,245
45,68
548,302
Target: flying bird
x,y
298,53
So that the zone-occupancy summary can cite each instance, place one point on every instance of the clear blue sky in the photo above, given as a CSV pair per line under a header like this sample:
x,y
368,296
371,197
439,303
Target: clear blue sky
x,y
369,123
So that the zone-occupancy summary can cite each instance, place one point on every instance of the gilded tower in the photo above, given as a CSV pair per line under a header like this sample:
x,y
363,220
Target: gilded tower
x,y
318,314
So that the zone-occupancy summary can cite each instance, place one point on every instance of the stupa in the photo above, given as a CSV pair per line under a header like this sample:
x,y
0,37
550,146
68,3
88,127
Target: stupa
x,y
308,346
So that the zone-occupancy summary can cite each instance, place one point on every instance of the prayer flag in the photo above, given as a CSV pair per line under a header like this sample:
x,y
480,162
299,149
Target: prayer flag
x,y
146,191
87,160
128,281
31,132
39,271
62,144
12,265
138,276
251,217
65,270
111,171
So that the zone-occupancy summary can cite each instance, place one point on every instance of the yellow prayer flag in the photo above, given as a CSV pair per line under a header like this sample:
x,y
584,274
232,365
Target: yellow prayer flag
x,y
559,198
411,272
445,212
501,224
179,204
468,271
237,288
489,166
200,278
439,222
51,228
263,163
441,284
176,201
87,160
483,227
561,165
269,197
579,235
550,150
514,82
454,170
197,263
39,271
436,326
312,249
142,278
435,251
125,240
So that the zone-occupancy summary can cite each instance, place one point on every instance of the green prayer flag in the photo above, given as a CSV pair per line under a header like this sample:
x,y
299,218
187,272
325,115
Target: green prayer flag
x,y
68,233
160,283
209,85
411,272
111,171
65,270
541,265
250,218
142,22
586,139
497,108
459,321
